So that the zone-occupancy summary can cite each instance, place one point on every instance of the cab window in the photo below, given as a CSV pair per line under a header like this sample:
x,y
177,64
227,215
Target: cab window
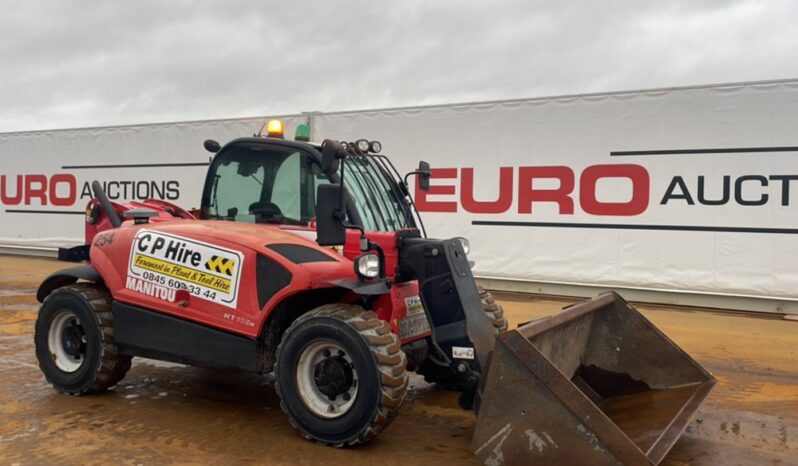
x,y
262,185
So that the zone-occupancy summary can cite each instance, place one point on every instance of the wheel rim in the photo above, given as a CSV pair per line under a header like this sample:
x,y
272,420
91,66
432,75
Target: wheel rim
x,y
66,340
327,379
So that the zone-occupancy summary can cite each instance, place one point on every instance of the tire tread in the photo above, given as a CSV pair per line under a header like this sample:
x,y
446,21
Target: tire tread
x,y
391,364
111,365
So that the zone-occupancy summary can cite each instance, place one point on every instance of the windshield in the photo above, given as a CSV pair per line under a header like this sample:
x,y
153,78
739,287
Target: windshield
x,y
375,195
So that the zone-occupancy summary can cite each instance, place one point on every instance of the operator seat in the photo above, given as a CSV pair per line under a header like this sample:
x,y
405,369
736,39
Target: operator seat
x,y
266,212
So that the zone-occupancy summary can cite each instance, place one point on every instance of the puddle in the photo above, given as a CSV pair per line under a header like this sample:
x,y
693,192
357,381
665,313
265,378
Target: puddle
x,y
18,292
157,363
17,307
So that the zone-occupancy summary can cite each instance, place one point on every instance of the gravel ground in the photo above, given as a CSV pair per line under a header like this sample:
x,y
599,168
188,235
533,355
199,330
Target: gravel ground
x,y
172,414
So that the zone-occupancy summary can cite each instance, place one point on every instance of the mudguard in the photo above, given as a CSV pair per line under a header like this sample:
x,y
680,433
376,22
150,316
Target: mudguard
x,y
74,254
362,287
66,277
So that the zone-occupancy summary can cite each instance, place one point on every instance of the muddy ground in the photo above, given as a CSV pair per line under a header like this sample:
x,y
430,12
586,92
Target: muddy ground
x,y
172,414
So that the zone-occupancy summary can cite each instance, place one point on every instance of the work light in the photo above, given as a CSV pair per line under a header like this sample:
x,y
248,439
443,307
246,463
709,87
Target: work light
x,y
367,265
362,145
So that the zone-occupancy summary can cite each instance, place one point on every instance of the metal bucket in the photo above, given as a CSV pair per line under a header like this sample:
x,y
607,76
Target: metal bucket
x,y
595,384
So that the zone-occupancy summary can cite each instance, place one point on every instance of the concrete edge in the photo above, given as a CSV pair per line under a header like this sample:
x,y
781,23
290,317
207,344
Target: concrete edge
x,y
35,251
714,301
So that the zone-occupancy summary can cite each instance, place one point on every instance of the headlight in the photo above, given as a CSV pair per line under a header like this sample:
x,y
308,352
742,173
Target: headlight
x,y
367,265
466,245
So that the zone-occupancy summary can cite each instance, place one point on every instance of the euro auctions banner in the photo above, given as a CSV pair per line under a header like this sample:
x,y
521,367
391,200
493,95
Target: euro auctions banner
x,y
690,189
46,176
686,189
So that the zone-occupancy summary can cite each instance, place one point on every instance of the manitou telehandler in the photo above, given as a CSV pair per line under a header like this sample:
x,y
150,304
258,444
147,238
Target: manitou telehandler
x,y
309,261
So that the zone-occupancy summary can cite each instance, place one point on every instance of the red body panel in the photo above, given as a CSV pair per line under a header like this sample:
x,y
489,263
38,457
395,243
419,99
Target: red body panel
x,y
166,211
386,240
113,250
392,308
112,258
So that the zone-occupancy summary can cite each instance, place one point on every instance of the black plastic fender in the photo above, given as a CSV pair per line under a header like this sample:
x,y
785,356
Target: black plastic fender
x,y
67,277
74,254
362,287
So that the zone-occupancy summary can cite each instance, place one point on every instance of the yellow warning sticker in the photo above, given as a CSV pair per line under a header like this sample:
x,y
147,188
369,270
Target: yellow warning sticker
x,y
220,265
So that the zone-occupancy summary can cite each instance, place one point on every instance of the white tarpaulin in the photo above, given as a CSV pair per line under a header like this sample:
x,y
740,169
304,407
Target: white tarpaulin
x,y
684,189
584,200
46,176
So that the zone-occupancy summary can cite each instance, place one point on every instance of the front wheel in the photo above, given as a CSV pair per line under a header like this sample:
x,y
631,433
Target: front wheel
x,y
340,375
75,340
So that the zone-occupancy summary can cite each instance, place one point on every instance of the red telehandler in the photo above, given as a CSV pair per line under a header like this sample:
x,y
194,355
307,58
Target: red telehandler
x,y
310,261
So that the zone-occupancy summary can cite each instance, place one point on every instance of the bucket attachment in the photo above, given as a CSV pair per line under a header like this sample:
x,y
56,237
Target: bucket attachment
x,y
595,384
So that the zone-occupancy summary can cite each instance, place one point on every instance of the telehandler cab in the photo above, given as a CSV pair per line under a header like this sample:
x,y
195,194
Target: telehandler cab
x,y
310,261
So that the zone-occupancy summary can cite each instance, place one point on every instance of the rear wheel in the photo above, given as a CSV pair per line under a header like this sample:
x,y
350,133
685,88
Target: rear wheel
x,y
340,375
438,372
75,340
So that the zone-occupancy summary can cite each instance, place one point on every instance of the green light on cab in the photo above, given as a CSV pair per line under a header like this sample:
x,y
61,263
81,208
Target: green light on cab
x,y
302,133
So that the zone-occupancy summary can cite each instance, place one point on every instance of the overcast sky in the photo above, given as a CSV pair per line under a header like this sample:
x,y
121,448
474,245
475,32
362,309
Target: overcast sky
x,y
92,63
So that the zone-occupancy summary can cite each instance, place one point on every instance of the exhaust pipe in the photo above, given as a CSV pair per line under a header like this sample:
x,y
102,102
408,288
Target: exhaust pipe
x,y
99,193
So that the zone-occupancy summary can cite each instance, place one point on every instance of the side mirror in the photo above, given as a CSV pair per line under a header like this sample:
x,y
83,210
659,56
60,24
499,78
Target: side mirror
x,y
211,146
330,155
330,230
424,175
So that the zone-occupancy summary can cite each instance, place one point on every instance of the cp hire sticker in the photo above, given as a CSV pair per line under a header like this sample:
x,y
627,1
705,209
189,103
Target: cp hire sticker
x,y
204,270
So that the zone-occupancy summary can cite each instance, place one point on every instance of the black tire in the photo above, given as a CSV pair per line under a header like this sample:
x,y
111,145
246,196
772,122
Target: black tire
x,y
376,358
444,376
100,364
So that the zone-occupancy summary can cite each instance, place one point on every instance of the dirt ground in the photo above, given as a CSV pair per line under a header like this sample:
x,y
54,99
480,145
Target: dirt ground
x,y
172,414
